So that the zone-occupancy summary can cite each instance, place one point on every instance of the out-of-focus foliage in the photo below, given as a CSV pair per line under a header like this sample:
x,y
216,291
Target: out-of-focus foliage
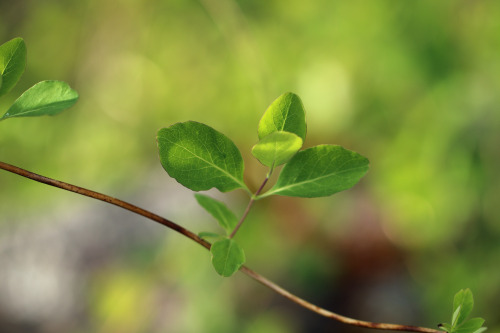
x,y
413,86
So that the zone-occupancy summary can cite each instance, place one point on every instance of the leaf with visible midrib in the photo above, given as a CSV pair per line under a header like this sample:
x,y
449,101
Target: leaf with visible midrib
x,y
286,113
219,211
319,171
227,257
12,63
276,148
44,98
199,157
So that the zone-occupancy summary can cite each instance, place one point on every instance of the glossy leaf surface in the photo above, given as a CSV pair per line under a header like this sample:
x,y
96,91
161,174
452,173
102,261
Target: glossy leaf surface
x,y
286,113
44,98
12,63
320,171
224,216
277,148
227,256
199,157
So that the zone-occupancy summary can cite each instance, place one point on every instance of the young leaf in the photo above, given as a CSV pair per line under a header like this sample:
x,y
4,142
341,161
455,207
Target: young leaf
x,y
463,302
320,171
12,63
227,256
200,158
445,327
286,113
44,98
219,211
470,326
277,148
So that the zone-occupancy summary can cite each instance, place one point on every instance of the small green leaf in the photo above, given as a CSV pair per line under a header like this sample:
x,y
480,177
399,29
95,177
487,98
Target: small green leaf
x,y
320,171
277,148
12,63
470,326
445,327
200,158
219,211
208,234
44,98
463,302
227,256
286,113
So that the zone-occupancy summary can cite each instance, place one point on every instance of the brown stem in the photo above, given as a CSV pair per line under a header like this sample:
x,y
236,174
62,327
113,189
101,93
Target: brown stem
x,y
332,315
250,203
202,242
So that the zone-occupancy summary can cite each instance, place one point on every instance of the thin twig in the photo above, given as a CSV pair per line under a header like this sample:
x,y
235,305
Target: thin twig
x,y
202,242
250,203
332,315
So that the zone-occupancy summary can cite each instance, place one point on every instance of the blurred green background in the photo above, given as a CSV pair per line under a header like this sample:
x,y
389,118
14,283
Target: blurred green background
x,y
412,85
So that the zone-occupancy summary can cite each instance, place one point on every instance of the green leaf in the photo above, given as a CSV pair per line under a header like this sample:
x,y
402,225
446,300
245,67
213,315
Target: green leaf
x,y
277,148
463,302
200,158
470,326
286,113
12,63
208,234
44,98
445,327
227,256
320,171
219,211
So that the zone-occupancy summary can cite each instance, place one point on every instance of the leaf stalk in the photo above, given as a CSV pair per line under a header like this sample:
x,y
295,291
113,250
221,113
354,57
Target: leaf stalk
x,y
250,203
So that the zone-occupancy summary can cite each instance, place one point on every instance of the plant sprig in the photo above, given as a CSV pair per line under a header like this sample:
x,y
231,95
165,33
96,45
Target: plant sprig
x,y
200,158
463,302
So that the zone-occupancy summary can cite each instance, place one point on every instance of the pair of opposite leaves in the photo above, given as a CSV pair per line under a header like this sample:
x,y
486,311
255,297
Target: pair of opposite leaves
x,y
199,157
44,98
